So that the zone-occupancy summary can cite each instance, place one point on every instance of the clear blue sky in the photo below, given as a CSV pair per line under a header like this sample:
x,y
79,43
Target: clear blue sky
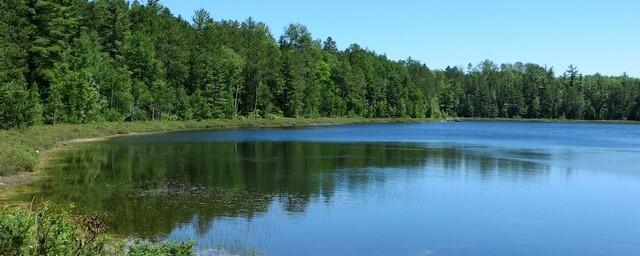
x,y
597,36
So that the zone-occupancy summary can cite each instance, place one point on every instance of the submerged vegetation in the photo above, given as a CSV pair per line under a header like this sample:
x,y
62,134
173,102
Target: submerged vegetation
x,y
81,61
49,231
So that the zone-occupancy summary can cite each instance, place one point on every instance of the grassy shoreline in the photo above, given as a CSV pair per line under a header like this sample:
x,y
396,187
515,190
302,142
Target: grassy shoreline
x,y
22,150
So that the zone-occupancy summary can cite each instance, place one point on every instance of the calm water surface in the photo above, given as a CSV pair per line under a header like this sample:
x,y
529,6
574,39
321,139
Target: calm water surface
x,y
470,188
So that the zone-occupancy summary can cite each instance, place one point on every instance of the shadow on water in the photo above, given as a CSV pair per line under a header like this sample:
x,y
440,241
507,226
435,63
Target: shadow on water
x,y
150,189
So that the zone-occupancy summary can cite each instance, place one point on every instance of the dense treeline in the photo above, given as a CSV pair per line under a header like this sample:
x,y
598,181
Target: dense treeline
x,y
80,61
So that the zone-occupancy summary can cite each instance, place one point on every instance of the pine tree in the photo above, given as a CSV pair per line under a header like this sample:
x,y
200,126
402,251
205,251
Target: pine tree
x,y
299,53
78,61
330,45
113,26
15,33
573,99
52,35
19,106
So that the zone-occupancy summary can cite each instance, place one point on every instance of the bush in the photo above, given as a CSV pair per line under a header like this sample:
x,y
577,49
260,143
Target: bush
x,y
113,115
49,231
272,117
144,248
23,158
14,229
45,232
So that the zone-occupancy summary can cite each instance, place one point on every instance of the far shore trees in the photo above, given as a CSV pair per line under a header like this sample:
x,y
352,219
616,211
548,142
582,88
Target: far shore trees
x,y
83,61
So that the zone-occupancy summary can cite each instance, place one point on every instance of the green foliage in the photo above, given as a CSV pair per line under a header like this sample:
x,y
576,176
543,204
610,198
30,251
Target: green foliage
x,y
142,248
112,20
17,158
107,60
15,227
18,106
44,232
49,231
223,89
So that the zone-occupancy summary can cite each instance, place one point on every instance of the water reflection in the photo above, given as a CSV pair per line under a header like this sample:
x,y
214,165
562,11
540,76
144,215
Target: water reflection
x,y
439,188
150,189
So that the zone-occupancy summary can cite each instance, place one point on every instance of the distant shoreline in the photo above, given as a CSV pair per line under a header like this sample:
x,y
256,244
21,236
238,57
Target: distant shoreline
x,y
545,120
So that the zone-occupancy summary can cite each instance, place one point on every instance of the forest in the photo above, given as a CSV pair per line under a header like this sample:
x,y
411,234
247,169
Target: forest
x,y
80,61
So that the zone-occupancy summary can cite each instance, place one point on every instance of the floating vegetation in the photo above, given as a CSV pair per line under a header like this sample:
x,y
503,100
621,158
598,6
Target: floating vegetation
x,y
223,199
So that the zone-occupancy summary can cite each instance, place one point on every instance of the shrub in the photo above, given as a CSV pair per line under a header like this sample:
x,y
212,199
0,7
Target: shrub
x,y
272,117
24,158
144,248
14,232
50,231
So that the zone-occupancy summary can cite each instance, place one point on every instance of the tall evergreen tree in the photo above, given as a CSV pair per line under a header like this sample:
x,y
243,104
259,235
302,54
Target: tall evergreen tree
x,y
297,48
79,61
113,25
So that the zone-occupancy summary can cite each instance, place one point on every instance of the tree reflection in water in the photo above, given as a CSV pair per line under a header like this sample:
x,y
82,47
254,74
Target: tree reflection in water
x,y
150,189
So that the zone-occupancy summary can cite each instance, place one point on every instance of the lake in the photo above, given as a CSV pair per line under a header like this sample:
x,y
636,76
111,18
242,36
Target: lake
x,y
468,188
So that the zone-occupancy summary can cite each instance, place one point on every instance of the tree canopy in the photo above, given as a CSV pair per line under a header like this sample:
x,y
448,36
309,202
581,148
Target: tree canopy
x,y
80,61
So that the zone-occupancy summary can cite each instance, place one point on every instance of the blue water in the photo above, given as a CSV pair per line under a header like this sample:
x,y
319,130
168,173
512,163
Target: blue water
x,y
530,135
469,188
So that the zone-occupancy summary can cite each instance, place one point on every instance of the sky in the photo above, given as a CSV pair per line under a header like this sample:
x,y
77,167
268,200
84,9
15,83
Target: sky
x,y
595,35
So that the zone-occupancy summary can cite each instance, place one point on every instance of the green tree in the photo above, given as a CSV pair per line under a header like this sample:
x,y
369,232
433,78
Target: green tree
x,y
15,34
113,25
146,70
78,61
200,106
223,87
297,49
574,101
331,104
261,54
55,24
19,107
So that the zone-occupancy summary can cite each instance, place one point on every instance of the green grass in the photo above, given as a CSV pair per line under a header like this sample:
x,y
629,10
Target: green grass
x,y
20,149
